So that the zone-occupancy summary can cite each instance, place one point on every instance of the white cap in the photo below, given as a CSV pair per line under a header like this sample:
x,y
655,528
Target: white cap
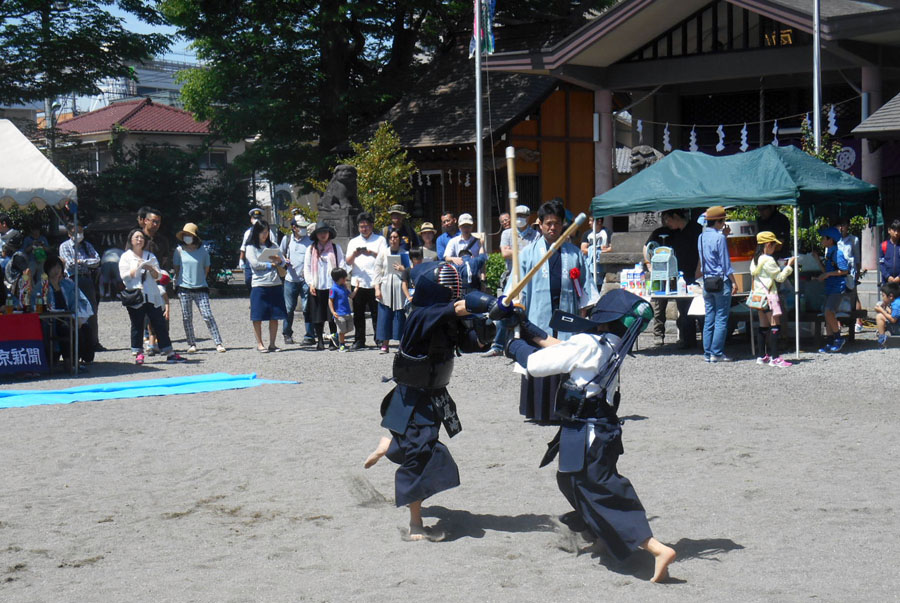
x,y
523,210
466,219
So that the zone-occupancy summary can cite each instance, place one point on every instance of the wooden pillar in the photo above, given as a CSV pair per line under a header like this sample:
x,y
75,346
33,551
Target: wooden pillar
x,y
870,160
604,148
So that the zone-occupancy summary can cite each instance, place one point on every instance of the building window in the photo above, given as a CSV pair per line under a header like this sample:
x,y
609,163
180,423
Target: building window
x,y
213,160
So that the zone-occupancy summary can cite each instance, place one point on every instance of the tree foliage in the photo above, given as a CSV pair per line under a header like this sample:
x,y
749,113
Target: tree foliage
x,y
53,48
304,76
169,179
383,173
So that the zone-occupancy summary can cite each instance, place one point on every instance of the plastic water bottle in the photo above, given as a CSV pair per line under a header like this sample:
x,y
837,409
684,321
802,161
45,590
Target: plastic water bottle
x,y
682,284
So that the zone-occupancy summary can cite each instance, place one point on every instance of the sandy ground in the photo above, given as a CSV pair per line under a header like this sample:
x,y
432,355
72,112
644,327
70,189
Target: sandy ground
x,y
772,485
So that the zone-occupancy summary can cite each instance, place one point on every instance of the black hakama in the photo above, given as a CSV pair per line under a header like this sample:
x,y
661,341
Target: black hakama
x,y
426,466
605,500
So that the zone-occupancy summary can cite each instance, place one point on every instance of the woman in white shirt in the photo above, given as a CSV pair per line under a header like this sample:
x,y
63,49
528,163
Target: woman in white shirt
x,y
323,256
391,290
266,288
139,270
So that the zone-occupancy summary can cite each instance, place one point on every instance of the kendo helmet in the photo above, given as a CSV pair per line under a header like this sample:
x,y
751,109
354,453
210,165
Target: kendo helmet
x,y
435,283
622,309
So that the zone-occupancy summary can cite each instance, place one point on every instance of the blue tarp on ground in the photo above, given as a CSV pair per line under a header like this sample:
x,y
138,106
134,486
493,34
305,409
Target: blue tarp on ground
x,y
16,398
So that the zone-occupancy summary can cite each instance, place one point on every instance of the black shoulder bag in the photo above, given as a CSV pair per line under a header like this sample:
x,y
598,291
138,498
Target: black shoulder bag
x,y
711,284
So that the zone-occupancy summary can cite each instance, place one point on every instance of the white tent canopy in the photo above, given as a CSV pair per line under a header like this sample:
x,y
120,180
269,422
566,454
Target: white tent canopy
x,y
26,176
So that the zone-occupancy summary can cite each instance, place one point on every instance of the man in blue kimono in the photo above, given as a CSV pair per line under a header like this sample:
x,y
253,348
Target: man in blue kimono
x,y
552,288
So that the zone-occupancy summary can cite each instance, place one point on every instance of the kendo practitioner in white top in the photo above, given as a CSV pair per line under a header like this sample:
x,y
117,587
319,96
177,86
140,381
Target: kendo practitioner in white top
x,y
589,440
439,327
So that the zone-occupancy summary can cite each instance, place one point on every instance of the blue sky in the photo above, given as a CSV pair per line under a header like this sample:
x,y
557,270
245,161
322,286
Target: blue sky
x,y
179,50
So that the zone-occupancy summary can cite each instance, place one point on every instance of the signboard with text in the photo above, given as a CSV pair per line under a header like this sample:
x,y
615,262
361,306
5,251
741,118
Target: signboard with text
x,y
21,344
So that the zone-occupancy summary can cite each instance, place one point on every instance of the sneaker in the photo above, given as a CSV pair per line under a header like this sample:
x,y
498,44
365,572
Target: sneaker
x,y
383,350
359,345
309,341
723,358
192,349
709,358
139,359
492,353
780,363
151,350
764,360
220,348
319,346
882,341
343,348
838,344
333,341
858,328
825,349
288,340
175,359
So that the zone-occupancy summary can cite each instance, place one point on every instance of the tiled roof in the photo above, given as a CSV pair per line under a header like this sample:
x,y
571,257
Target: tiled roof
x,y
884,123
136,116
440,111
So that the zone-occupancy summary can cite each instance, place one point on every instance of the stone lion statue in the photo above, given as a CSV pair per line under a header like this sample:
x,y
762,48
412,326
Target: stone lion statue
x,y
643,156
341,192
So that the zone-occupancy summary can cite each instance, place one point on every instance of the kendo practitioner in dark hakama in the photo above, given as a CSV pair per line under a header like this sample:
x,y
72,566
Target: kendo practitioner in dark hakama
x,y
589,440
439,327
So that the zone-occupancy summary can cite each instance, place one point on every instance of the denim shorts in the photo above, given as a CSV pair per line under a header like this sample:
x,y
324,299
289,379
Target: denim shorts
x,y
838,302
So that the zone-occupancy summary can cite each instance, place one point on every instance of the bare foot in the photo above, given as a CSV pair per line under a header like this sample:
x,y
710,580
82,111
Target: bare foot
x,y
663,554
379,452
418,532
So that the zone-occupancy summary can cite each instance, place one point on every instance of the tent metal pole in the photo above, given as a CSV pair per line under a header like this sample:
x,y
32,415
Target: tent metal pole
x,y
75,357
796,291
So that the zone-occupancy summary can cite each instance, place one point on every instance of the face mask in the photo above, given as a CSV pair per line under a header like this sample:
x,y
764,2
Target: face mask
x,y
521,222
188,239
79,238
253,220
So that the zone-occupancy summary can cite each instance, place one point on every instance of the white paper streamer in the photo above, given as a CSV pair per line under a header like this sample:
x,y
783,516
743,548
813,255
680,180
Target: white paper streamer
x,y
720,146
775,134
693,145
667,145
832,121
640,131
744,144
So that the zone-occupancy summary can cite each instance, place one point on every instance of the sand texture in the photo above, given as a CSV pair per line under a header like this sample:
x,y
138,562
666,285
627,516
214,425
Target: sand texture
x,y
772,485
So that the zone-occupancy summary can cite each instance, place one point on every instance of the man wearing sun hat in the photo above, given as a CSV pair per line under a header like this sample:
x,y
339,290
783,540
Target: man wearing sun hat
x,y
718,283
408,238
293,248
834,271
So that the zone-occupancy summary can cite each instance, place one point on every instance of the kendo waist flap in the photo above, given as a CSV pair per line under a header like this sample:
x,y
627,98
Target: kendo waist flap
x,y
422,372
574,404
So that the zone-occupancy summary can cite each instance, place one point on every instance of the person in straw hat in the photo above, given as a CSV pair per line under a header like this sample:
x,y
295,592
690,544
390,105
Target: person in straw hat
x,y
191,261
718,283
428,234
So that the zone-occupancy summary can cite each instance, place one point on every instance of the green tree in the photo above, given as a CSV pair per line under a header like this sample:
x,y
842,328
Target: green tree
x,y
169,179
53,48
383,173
828,148
304,76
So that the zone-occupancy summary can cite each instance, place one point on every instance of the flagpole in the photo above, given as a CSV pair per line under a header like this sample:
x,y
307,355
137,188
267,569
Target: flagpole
x,y
479,150
817,142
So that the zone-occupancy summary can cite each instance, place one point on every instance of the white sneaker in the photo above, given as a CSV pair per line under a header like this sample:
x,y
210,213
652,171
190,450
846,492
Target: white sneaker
x,y
220,348
858,328
192,349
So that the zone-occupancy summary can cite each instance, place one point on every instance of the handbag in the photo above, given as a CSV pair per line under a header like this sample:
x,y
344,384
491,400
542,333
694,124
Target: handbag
x,y
711,284
758,300
133,298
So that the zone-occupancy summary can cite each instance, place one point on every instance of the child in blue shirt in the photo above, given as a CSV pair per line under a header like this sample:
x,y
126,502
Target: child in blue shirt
x,y
834,270
887,313
339,303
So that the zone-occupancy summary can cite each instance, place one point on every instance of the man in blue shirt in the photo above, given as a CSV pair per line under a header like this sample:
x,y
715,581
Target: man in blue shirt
x,y
834,270
715,262
448,225
889,255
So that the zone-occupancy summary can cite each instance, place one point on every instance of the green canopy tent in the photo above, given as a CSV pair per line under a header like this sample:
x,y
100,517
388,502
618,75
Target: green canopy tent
x,y
767,176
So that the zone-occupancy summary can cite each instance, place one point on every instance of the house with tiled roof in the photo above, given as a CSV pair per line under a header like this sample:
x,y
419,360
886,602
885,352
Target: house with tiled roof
x,y
143,122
